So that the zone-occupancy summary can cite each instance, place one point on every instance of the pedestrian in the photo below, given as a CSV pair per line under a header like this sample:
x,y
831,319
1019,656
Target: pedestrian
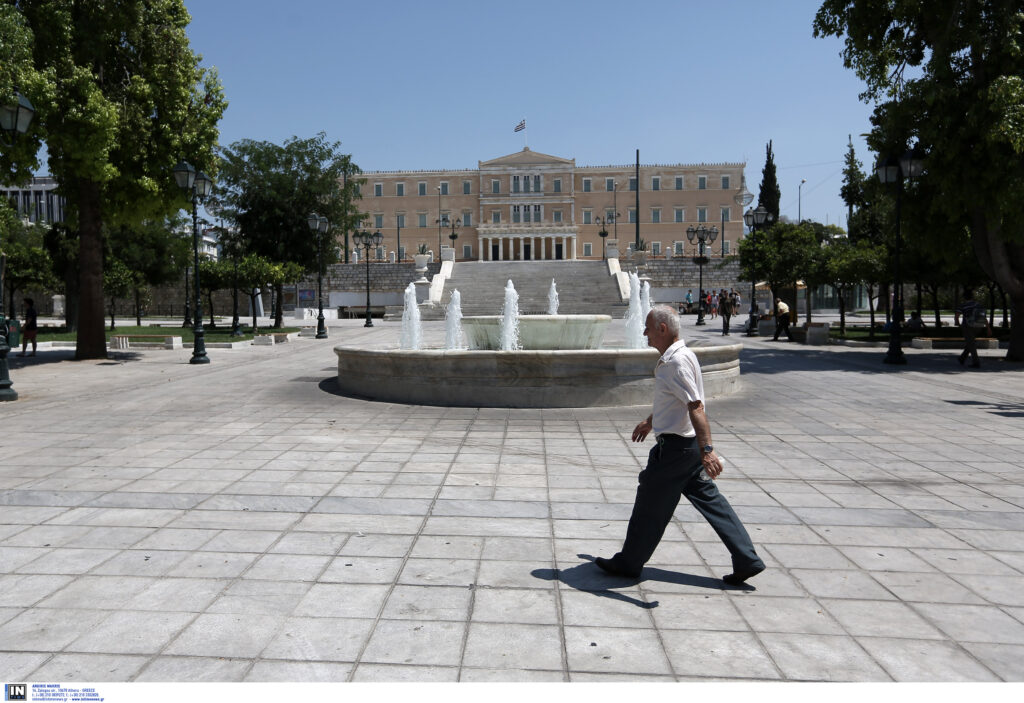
x,y
31,328
682,462
689,300
781,320
727,310
973,317
714,304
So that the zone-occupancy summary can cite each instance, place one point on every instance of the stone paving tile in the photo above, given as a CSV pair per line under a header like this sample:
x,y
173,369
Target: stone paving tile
x,y
343,600
132,632
513,646
925,660
47,630
707,653
1006,660
90,667
433,643
872,618
807,657
299,672
217,635
15,666
615,650
319,639
973,623
195,669
428,603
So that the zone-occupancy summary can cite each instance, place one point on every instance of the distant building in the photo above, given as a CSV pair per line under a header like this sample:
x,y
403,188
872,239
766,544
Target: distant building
x,y
533,206
37,200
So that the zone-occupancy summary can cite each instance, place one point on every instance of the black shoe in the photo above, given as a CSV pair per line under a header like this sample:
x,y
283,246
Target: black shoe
x,y
741,576
961,360
609,566
975,365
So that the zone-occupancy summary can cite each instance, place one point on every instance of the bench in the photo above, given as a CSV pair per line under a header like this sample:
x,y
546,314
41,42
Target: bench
x,y
952,342
167,341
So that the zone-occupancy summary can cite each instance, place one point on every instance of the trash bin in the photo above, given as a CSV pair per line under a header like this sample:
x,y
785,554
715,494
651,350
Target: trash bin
x,y
13,334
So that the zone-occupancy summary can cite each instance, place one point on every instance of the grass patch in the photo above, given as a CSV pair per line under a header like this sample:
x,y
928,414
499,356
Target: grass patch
x,y
210,334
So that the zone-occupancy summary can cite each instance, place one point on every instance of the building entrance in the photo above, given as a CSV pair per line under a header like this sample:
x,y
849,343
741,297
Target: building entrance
x,y
526,252
495,249
558,251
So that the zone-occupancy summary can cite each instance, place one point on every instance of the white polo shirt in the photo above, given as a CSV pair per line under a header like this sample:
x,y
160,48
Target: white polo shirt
x,y
677,381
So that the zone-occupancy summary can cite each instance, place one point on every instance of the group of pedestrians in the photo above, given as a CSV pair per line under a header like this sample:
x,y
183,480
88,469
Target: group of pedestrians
x,y
720,303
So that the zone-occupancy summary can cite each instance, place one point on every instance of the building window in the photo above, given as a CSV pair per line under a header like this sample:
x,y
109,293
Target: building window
x,y
702,214
726,212
557,216
378,221
466,188
609,184
588,217
632,216
515,184
422,219
379,253
677,248
444,187
358,189
467,220
656,215
536,213
558,185
496,217
401,220
725,247
422,187
586,185
515,213
401,253
399,189
656,248
467,251
702,182
526,184
656,183
679,215
725,183
495,185
536,184
679,182
378,190
632,183
588,249
609,215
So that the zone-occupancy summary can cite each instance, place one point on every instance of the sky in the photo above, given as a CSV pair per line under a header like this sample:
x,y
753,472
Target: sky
x,y
408,85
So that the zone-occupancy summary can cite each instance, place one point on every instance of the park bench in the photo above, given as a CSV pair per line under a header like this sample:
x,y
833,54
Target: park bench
x,y
952,342
167,341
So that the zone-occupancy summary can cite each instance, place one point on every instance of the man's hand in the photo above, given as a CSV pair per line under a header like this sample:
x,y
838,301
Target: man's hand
x,y
712,465
641,431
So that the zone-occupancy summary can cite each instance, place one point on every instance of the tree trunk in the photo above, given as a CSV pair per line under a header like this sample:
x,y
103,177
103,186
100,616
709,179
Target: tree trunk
x,y
138,307
842,312
871,311
1016,350
278,307
935,304
113,305
92,339
807,297
209,299
252,303
918,285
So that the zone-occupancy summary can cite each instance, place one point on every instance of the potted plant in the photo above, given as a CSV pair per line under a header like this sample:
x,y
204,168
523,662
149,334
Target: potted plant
x,y
640,253
422,257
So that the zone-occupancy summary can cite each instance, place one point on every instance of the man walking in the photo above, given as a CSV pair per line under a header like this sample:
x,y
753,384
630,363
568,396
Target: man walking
x,y
781,320
971,317
726,301
31,328
683,462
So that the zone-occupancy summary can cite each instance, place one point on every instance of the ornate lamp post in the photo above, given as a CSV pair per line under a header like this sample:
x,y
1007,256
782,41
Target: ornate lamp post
x,y
199,185
893,170
755,219
703,235
319,224
455,224
368,242
603,221
14,120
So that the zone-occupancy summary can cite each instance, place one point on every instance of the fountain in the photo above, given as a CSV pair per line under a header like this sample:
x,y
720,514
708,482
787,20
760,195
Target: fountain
x,y
556,362
453,337
645,300
510,319
635,317
553,299
412,330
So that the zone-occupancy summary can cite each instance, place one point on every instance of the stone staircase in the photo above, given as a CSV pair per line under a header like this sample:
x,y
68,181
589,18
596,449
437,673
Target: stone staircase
x,y
584,287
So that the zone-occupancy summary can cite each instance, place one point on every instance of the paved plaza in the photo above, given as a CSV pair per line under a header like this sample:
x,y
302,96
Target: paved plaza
x,y
241,521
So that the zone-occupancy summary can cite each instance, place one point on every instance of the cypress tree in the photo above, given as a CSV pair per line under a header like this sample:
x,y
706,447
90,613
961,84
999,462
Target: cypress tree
x,y
769,195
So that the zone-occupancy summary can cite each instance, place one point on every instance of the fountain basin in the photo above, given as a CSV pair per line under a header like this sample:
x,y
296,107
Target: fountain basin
x,y
521,379
539,332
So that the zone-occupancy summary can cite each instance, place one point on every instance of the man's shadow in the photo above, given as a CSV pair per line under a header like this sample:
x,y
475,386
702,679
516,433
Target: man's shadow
x,y
591,579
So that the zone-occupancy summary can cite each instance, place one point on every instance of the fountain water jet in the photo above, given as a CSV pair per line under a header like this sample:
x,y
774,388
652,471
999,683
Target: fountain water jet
x,y
412,329
453,337
510,319
553,299
635,317
646,303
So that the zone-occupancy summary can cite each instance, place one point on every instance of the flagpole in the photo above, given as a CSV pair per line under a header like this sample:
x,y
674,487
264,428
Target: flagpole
x,y
525,130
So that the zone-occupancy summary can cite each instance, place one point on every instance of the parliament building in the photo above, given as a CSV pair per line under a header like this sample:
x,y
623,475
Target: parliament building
x,y
532,206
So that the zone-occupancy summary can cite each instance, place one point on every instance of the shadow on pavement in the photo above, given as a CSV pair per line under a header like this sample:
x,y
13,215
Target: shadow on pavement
x,y
59,356
1003,409
796,357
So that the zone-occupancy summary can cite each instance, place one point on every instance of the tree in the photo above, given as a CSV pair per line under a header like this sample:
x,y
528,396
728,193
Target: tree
x,y
118,281
253,273
769,194
28,264
153,250
269,191
18,74
214,275
852,190
124,98
930,65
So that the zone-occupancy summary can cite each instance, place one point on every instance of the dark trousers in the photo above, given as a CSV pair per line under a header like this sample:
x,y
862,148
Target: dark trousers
x,y
725,322
673,469
782,325
970,344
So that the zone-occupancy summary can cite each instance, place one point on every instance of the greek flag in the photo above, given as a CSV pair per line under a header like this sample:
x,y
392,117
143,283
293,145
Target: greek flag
x,y
520,127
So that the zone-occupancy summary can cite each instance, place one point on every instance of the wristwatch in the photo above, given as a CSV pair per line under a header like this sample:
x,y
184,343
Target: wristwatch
x,y
707,449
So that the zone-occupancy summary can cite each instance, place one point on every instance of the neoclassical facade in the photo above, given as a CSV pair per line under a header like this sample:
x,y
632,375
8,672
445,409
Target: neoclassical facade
x,y
533,206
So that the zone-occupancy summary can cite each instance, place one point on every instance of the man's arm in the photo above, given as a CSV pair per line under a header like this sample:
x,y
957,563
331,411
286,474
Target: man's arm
x,y
712,464
641,431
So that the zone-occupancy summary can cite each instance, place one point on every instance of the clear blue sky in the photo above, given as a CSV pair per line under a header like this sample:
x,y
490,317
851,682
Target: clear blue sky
x,y
416,85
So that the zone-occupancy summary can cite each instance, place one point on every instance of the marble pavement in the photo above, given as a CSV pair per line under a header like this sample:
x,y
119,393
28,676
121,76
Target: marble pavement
x,y
240,521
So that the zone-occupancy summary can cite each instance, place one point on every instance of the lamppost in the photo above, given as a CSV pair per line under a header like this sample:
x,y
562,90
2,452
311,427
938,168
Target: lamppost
x,y
754,220
319,224
187,322
14,120
455,224
440,219
368,242
893,170
398,247
615,207
199,185
800,201
603,221
703,235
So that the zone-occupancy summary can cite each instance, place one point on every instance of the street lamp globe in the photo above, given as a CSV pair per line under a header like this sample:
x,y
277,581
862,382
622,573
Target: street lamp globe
x,y
15,119
184,175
